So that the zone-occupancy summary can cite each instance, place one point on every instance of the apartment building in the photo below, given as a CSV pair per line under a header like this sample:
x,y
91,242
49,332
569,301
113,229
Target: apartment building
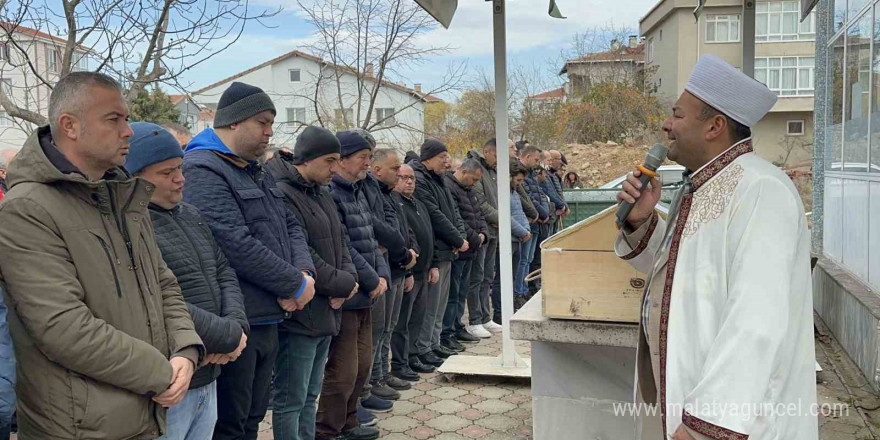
x,y
784,61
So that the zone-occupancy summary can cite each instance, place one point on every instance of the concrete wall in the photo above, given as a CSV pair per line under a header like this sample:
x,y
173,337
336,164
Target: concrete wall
x,y
772,144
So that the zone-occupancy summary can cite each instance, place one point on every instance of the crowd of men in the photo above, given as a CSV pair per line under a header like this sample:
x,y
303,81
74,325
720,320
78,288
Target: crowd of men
x,y
162,286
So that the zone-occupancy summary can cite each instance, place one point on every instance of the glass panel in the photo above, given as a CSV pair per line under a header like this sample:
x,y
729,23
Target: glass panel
x,y
761,7
775,7
774,79
775,23
834,106
855,6
710,31
790,6
775,62
855,126
806,62
807,25
760,62
734,30
839,16
761,76
789,62
804,80
788,78
789,23
722,32
761,24
875,100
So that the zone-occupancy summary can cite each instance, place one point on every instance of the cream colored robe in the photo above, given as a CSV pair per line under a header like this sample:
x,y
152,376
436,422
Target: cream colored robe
x,y
730,322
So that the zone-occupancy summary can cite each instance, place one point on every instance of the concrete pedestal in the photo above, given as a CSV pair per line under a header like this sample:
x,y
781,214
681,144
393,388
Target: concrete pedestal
x,y
581,370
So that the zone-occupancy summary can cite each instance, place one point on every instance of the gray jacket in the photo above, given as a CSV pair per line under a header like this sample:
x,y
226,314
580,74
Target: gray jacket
x,y
487,192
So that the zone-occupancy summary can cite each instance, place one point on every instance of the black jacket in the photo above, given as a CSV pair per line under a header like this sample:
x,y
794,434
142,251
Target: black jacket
x,y
487,192
449,229
260,237
536,194
420,222
207,282
393,199
469,209
354,211
386,225
316,211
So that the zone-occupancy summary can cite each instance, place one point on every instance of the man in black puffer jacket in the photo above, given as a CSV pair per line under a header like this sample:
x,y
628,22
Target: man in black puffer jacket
x,y
449,238
304,340
207,282
461,185
351,351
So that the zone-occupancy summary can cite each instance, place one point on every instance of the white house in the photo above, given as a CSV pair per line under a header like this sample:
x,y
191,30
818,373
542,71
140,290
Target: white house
x,y
19,81
307,90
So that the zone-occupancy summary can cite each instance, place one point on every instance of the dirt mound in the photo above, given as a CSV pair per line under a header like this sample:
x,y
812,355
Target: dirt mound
x,y
598,163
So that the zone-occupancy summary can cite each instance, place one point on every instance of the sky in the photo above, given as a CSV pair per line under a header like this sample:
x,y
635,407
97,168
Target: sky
x,y
533,38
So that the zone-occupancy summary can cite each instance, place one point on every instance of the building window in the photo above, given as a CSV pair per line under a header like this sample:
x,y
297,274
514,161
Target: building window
x,y
385,116
722,28
53,57
787,76
297,114
4,52
191,122
650,50
661,35
82,63
780,21
794,128
294,75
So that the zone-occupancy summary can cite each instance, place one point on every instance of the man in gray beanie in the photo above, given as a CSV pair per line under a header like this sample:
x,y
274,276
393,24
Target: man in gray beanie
x,y
261,238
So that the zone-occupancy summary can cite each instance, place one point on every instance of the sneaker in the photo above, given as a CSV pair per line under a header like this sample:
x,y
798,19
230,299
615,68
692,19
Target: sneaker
x,y
492,326
406,373
418,366
430,358
376,404
443,352
478,331
366,418
359,433
452,344
381,390
397,384
465,337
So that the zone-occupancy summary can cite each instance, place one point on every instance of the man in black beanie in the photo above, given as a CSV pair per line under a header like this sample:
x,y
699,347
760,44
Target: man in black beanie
x,y
260,237
449,237
304,340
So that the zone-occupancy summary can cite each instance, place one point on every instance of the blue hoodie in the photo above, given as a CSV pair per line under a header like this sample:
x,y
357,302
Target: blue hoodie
x,y
262,240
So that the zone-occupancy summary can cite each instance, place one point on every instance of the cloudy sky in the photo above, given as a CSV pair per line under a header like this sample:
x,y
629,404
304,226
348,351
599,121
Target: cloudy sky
x,y
533,38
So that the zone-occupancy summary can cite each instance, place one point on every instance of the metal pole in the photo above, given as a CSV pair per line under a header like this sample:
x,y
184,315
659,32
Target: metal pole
x,y
509,357
748,38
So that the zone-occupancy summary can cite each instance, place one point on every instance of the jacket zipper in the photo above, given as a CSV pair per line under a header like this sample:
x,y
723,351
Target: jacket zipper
x,y
123,227
112,266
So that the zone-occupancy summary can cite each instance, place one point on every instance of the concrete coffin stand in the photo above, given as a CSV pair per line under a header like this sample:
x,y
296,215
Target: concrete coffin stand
x,y
580,370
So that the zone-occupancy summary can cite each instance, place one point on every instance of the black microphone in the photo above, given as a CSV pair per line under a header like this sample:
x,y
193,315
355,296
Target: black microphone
x,y
655,157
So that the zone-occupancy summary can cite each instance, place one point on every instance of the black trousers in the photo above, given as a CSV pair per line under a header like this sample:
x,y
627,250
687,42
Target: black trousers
x,y
243,386
412,315
496,283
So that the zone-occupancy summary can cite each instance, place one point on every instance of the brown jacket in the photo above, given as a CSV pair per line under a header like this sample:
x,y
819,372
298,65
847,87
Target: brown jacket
x,y
94,312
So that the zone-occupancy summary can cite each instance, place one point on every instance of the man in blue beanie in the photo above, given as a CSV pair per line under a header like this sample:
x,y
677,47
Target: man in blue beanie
x,y
261,238
208,284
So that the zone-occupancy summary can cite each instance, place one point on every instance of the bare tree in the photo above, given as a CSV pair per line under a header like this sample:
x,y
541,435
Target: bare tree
x,y
139,42
371,43
585,61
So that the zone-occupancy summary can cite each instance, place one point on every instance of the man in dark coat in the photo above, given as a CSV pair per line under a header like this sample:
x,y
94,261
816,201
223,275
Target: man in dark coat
x,y
529,158
450,238
351,352
460,184
304,340
261,238
207,282
405,363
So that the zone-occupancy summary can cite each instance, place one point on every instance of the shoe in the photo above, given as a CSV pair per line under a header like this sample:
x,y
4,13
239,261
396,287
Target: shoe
x,y
406,374
381,390
443,352
375,404
519,301
366,418
430,358
397,384
492,326
359,433
452,344
465,337
478,331
418,366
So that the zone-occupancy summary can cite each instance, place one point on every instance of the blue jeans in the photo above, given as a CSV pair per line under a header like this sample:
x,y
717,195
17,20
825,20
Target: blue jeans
x,y
194,417
458,292
299,373
525,259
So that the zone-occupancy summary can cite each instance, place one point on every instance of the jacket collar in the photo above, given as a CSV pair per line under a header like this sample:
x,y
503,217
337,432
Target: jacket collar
x,y
715,166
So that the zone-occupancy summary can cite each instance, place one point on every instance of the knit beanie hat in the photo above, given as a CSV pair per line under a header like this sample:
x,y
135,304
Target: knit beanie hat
x,y
351,142
313,143
150,144
239,102
431,148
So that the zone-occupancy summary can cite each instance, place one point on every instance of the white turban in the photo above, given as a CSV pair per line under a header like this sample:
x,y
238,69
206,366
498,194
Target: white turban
x,y
730,91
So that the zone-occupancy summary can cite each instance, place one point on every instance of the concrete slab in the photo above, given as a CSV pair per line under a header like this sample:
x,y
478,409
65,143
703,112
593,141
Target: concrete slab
x,y
483,366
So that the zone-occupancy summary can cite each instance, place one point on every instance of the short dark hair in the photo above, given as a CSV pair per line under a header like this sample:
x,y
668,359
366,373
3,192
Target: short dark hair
x,y
516,168
470,166
520,145
736,130
490,144
529,149
69,94
380,154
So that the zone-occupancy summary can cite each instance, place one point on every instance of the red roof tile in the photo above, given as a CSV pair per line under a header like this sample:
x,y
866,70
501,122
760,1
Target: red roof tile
x,y
555,93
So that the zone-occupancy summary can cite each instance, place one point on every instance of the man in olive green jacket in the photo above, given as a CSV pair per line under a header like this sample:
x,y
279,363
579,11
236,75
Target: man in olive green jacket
x,y
102,336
